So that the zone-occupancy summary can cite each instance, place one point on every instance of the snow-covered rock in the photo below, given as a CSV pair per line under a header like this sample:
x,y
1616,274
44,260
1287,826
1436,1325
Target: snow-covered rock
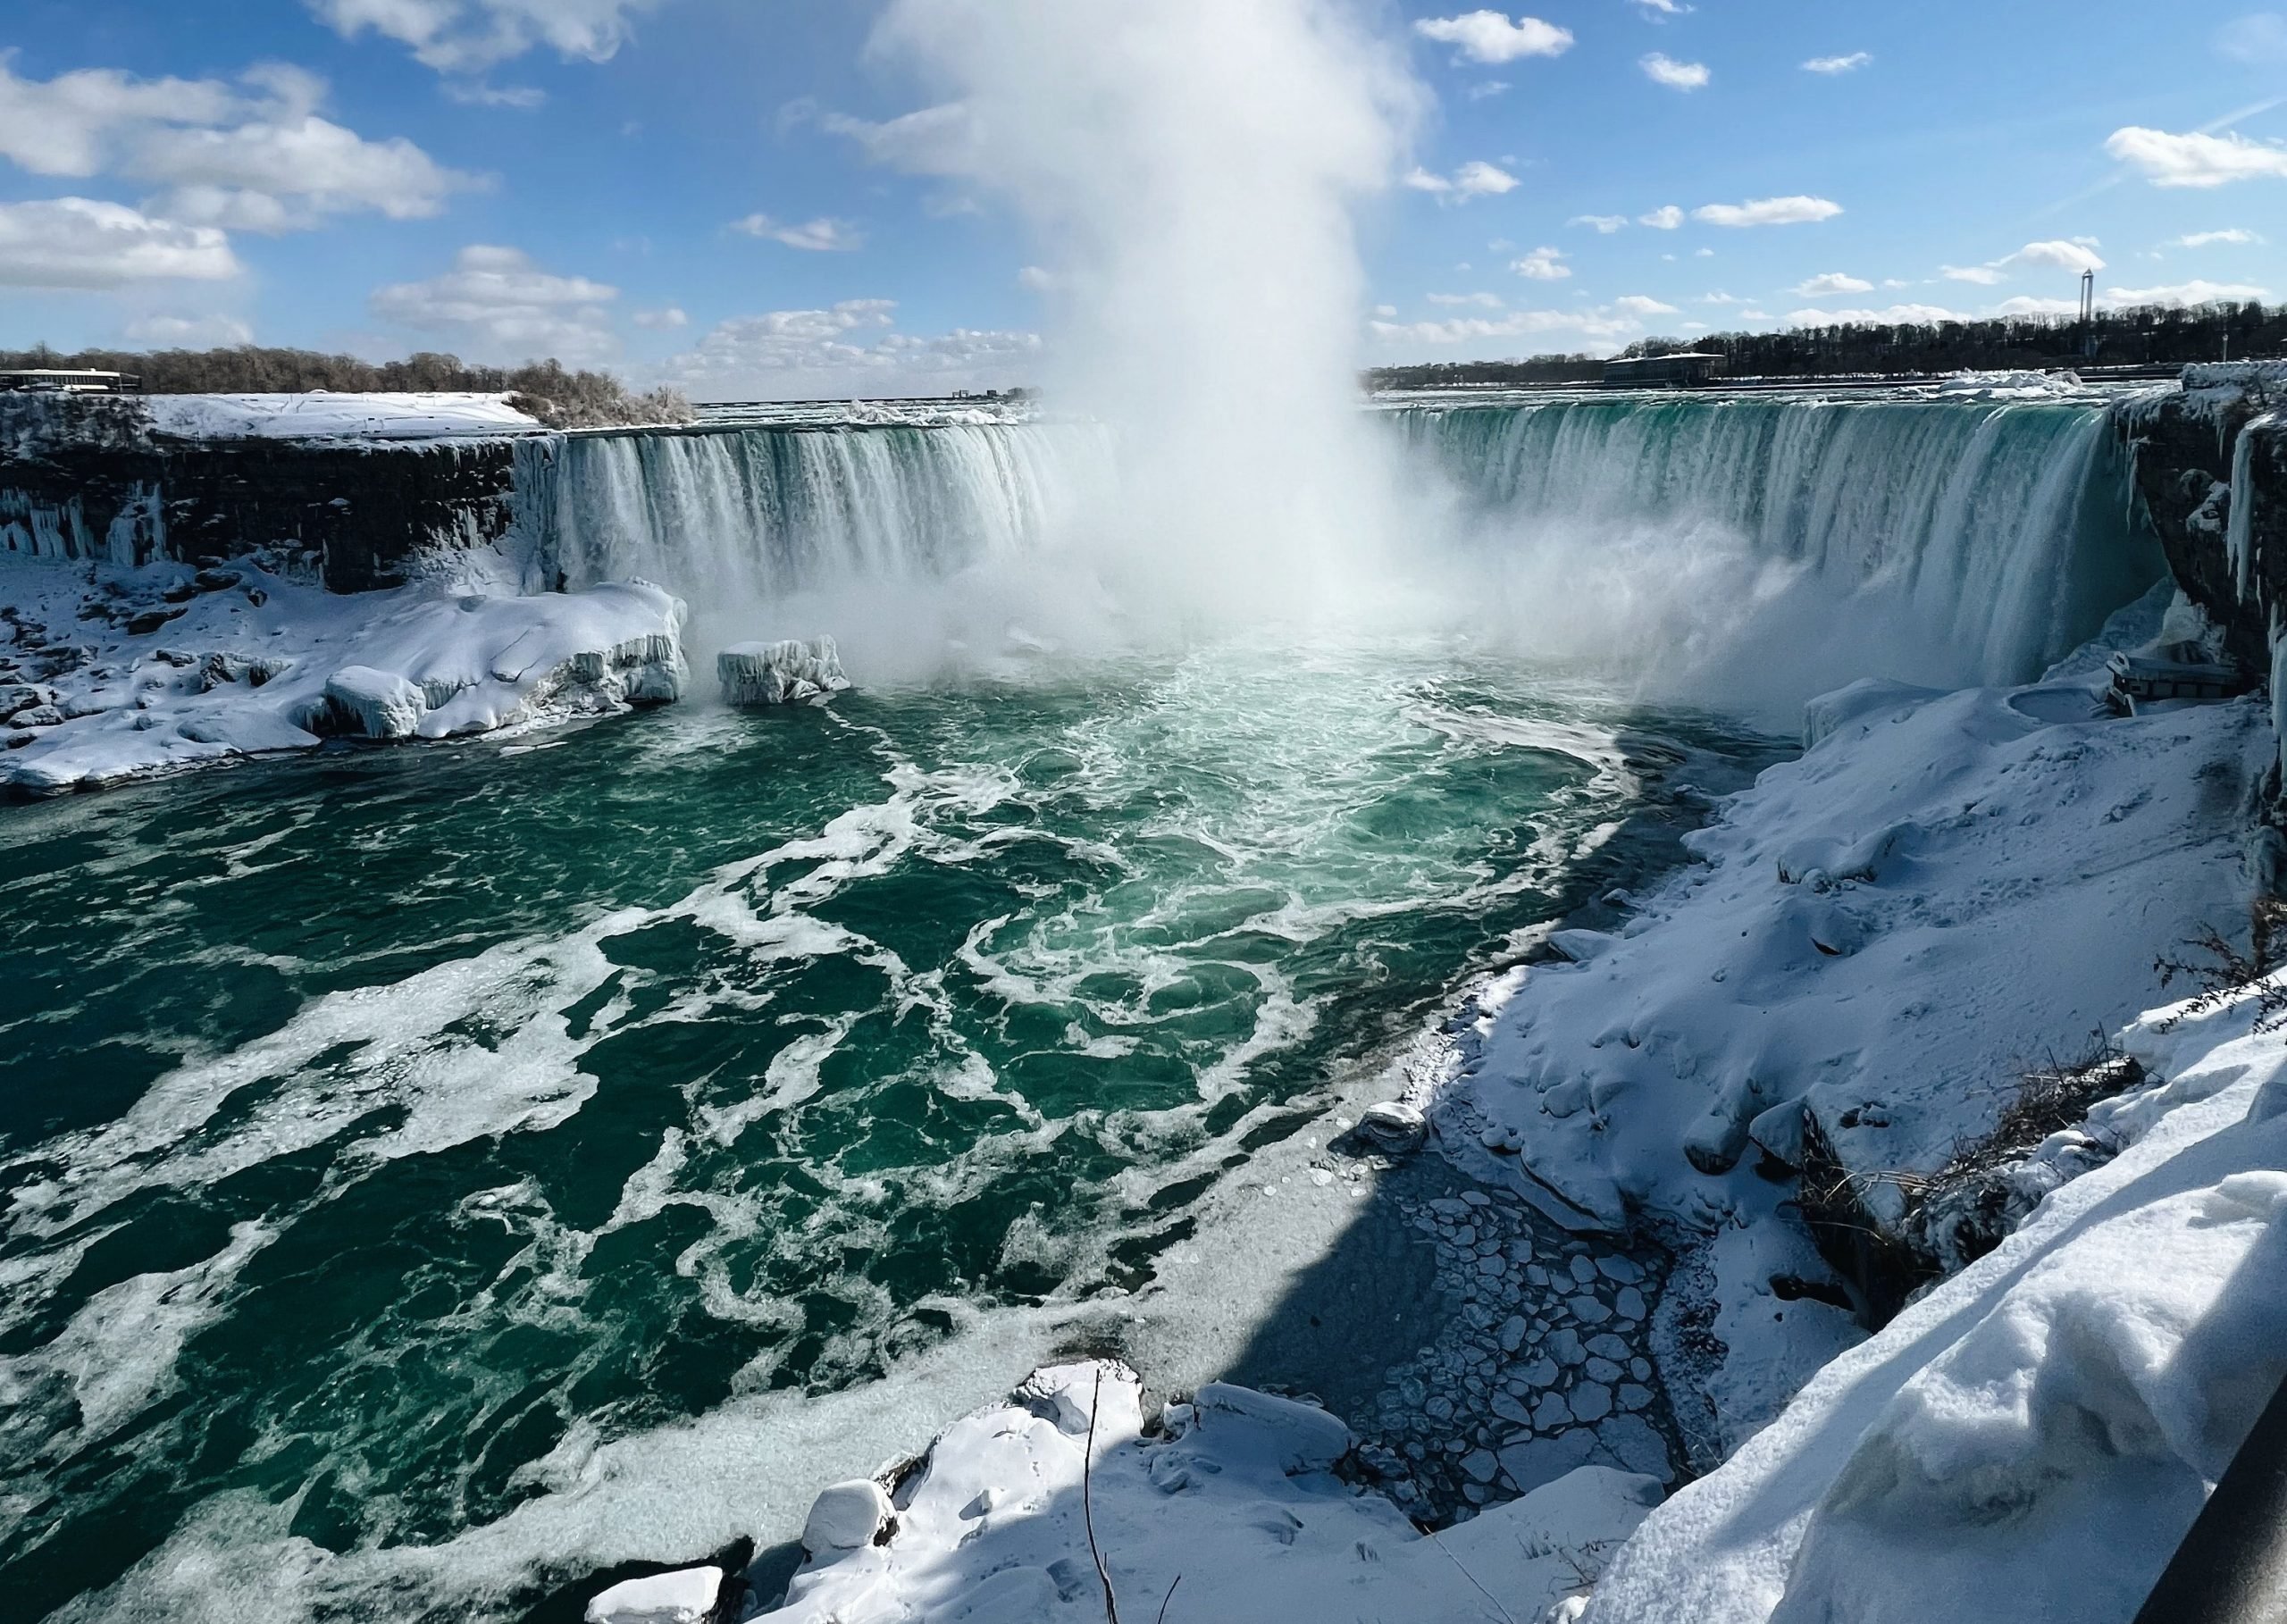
x,y
252,663
2045,1426
687,1597
846,1517
781,672
1231,1515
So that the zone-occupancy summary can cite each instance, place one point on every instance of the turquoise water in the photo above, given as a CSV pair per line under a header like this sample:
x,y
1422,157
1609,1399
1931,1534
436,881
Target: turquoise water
x,y
381,1133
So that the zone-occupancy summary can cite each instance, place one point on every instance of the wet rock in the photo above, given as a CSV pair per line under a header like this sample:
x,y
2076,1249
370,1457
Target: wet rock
x,y
147,621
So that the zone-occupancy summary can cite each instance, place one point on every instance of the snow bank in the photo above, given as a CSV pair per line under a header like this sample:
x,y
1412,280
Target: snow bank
x,y
2043,1427
2012,386
1233,1511
321,415
240,662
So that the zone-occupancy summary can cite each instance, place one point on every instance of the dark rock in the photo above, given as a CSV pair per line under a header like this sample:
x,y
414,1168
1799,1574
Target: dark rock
x,y
149,621
182,592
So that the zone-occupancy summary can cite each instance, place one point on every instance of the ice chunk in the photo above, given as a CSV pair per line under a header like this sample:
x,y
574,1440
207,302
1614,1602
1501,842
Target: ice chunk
x,y
687,1597
780,674
370,704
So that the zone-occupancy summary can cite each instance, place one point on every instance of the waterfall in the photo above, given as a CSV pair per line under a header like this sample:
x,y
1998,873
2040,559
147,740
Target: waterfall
x,y
1941,540
752,515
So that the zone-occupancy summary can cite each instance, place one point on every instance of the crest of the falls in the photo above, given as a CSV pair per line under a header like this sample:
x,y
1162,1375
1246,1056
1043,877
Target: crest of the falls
x,y
1748,551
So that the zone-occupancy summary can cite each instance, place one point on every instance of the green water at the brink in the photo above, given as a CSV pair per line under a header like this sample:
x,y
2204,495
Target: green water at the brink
x,y
375,1128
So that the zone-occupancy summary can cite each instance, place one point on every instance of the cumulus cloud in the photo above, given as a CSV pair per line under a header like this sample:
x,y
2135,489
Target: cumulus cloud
x,y
1894,315
1544,266
2194,292
251,156
2197,159
1668,218
1489,37
190,332
77,243
1767,212
1838,64
1604,225
2077,255
1830,283
659,320
1476,179
495,305
821,235
469,35
848,347
1660,11
1664,69
1643,305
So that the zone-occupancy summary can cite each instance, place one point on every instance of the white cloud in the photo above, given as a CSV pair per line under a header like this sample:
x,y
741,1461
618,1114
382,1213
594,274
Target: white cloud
x,y
1476,301
252,157
1604,225
1488,36
1603,328
495,305
1894,315
1544,266
940,140
469,35
523,98
660,320
1486,88
1664,69
1661,9
2194,292
1838,64
2202,239
1640,304
76,242
1720,299
2260,39
2076,256
1476,179
190,332
1830,283
820,236
2197,159
1768,212
851,346
1668,218
1035,279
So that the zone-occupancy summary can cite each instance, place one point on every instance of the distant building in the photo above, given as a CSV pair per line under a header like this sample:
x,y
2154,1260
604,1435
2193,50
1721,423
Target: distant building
x,y
55,382
1684,371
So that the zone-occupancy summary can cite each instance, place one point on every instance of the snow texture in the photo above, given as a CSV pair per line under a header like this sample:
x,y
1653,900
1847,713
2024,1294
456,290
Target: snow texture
x,y
1234,1507
687,1597
2046,1425
320,415
246,663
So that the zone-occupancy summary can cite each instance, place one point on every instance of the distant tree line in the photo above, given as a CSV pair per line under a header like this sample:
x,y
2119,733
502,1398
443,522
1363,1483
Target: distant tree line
x,y
2143,335
547,389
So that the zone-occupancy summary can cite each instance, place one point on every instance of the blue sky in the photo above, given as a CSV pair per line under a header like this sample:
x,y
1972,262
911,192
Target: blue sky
x,y
686,189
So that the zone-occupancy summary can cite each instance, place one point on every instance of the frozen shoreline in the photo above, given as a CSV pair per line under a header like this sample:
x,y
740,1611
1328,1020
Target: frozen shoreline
x,y
109,675
2102,843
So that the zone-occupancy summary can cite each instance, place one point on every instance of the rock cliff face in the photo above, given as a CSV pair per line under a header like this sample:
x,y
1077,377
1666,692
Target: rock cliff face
x,y
89,480
2211,469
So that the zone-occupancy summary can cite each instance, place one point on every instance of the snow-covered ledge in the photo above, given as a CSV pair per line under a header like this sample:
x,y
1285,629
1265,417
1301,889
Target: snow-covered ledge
x,y
107,675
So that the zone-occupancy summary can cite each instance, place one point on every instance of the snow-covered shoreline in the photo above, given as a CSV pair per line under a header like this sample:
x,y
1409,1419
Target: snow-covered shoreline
x,y
2025,855
109,676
